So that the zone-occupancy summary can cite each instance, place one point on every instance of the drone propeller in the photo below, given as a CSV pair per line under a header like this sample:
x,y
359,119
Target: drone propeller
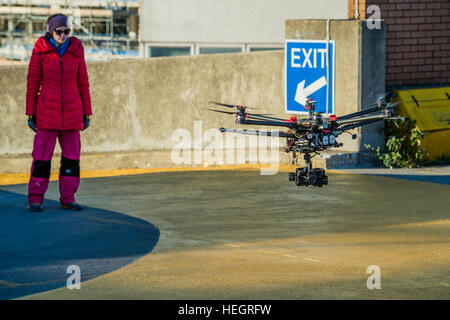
x,y
229,105
262,116
227,112
392,104
222,104
382,97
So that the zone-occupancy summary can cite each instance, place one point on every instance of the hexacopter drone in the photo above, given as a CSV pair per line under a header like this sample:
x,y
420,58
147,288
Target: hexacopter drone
x,y
310,136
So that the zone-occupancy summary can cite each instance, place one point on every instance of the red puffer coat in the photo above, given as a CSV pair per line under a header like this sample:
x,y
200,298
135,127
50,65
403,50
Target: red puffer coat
x,y
63,98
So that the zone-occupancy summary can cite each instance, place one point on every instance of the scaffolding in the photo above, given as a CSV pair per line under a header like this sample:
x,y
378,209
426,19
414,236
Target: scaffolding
x,y
104,26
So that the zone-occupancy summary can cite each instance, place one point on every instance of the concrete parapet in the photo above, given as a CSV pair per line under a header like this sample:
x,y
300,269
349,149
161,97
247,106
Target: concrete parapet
x,y
138,104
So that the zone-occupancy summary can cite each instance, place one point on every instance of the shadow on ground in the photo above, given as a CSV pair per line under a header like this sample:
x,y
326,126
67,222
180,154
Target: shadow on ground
x,y
36,249
440,179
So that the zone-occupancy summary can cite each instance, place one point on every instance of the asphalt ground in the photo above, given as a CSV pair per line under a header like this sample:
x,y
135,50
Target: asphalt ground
x,y
232,234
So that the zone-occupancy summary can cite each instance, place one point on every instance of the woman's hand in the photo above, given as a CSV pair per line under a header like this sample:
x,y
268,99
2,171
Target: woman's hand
x,y
32,122
86,122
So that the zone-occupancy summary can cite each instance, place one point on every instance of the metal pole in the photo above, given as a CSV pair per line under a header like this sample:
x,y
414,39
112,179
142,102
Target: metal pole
x,y
357,10
328,65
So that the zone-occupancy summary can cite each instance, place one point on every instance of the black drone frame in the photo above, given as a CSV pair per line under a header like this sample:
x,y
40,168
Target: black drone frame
x,y
309,136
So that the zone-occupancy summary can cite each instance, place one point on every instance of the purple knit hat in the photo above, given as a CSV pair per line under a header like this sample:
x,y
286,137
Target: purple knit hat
x,y
58,21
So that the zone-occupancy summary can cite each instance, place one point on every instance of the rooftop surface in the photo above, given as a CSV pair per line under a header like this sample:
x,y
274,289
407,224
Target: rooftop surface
x,y
232,234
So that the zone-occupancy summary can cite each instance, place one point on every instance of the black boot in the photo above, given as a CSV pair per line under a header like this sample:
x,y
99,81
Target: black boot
x,y
72,206
35,207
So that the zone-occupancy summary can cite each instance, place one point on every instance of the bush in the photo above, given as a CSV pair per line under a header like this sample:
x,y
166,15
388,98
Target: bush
x,y
402,145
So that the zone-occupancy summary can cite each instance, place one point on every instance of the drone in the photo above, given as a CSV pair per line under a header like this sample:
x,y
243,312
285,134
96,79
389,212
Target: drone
x,y
312,135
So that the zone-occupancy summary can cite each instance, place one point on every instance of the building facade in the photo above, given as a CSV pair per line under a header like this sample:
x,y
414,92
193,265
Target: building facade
x,y
417,39
107,28
193,27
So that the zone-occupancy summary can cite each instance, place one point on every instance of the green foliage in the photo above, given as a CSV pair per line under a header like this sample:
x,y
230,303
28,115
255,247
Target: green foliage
x,y
402,145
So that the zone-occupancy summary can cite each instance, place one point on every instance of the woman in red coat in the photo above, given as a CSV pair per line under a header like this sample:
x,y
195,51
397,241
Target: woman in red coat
x,y
58,105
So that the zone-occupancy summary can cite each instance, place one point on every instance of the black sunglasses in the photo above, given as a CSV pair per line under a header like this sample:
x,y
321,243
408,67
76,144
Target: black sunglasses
x,y
60,32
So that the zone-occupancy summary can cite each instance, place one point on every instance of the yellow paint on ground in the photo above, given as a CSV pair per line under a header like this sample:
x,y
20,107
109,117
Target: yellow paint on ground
x,y
434,223
277,253
18,178
309,259
231,245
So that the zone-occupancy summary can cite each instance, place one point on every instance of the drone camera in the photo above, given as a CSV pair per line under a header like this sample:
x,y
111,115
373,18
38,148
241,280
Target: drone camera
x,y
305,177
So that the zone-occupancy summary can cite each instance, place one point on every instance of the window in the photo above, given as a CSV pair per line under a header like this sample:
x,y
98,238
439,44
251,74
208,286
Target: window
x,y
157,51
212,50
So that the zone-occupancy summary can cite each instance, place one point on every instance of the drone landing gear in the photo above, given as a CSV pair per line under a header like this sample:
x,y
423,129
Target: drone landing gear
x,y
307,176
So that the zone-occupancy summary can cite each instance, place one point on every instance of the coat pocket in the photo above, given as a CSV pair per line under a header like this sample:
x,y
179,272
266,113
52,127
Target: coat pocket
x,y
41,99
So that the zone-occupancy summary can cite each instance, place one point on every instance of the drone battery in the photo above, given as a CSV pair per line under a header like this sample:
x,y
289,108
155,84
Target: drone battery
x,y
332,140
325,140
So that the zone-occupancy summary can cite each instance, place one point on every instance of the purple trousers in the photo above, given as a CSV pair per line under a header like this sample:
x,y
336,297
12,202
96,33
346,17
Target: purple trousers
x,y
69,175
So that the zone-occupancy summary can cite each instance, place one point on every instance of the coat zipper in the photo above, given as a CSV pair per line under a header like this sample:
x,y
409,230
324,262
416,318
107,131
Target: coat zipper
x,y
62,93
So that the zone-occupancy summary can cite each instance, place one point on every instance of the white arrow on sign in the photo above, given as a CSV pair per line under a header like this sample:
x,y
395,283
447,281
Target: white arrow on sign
x,y
302,93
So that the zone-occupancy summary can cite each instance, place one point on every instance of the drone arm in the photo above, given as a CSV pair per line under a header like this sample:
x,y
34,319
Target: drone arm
x,y
280,134
261,117
265,123
360,113
376,118
355,125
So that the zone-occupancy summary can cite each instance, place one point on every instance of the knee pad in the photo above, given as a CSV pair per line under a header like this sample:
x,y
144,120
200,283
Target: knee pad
x,y
69,167
41,169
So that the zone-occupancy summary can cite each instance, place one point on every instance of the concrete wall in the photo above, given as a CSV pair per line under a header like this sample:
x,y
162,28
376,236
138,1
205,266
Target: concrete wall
x,y
231,21
137,104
